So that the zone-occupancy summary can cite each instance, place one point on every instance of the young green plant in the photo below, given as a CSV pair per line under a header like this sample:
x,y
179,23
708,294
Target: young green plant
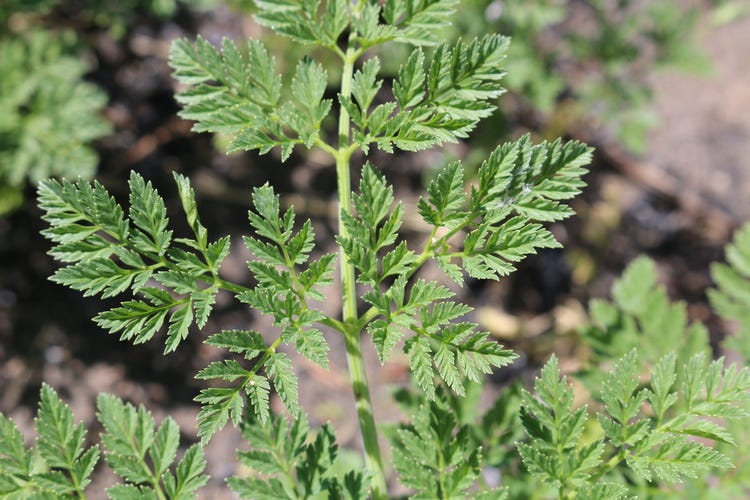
x,y
236,91
645,431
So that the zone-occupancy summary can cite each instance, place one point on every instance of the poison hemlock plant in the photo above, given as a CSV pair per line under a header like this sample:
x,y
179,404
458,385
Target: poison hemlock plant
x,y
649,432
641,315
48,114
732,297
655,418
169,283
60,464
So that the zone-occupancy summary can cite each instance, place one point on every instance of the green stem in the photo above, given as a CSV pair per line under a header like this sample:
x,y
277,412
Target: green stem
x,y
441,474
154,480
159,493
237,289
352,337
611,464
427,253
74,479
230,286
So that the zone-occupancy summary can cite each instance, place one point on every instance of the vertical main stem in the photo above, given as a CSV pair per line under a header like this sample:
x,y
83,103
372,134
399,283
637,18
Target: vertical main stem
x,y
357,372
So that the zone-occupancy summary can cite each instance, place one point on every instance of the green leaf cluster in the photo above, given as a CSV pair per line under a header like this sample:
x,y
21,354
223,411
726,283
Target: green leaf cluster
x,y
287,280
282,291
220,404
554,428
437,456
520,185
60,465
48,115
436,103
236,91
287,461
306,21
670,427
107,253
731,297
416,22
641,315
681,424
440,103
494,429
642,439
440,346
142,454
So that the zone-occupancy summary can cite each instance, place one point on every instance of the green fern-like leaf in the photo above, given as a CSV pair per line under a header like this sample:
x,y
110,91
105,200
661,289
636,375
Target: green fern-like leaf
x,y
108,255
555,454
441,345
283,463
419,22
188,476
61,445
374,230
283,292
284,380
640,428
441,104
131,437
304,21
60,466
219,405
731,298
661,447
48,115
237,92
248,343
436,456
16,461
642,316
520,185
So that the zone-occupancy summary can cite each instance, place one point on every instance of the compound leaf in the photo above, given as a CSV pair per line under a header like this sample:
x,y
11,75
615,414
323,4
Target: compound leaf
x,y
280,370
731,297
238,93
109,255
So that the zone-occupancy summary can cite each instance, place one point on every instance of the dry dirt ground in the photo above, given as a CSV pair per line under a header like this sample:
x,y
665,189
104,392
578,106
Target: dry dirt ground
x,y
703,139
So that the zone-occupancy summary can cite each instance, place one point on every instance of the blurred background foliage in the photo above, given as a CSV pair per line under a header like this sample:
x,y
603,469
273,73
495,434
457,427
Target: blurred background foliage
x,y
582,66
48,113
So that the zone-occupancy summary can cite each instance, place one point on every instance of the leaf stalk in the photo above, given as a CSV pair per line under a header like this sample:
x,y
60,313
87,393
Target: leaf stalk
x,y
357,373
